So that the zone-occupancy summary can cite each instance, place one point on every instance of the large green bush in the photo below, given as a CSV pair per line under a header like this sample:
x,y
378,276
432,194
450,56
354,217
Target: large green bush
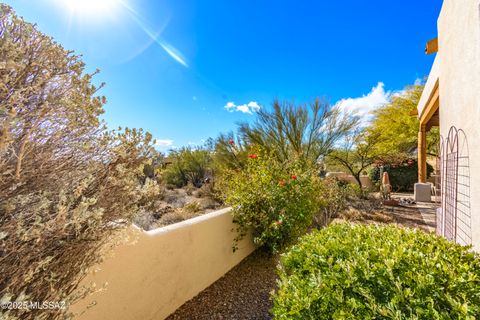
x,y
277,201
402,175
377,272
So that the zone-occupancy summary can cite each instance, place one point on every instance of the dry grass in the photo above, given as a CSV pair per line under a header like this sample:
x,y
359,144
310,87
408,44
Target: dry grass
x,y
366,210
178,205
189,189
192,207
176,216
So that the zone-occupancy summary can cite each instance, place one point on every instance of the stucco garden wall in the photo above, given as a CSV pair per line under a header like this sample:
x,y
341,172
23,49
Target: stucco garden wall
x,y
459,85
166,267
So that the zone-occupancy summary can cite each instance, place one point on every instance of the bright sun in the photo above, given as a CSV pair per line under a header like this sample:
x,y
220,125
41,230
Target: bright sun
x,y
91,7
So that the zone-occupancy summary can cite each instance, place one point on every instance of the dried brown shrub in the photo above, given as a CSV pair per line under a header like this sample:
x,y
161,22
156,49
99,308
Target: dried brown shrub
x,y
192,207
176,216
67,186
189,188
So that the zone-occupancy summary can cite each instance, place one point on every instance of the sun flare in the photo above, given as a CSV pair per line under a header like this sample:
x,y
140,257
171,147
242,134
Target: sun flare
x,y
92,7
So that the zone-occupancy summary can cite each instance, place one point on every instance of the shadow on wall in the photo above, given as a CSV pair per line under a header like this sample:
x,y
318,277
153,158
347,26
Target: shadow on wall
x,y
165,268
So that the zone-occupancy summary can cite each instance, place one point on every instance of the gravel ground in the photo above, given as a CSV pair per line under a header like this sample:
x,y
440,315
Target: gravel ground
x,y
244,292
241,294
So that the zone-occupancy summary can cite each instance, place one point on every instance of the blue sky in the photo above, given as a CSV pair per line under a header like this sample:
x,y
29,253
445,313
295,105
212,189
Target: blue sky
x,y
188,70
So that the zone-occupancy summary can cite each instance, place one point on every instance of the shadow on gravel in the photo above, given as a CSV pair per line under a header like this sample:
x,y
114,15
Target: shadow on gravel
x,y
241,294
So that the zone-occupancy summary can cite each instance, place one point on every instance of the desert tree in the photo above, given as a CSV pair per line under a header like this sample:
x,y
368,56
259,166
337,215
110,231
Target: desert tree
x,y
397,129
229,152
189,165
355,153
296,131
67,184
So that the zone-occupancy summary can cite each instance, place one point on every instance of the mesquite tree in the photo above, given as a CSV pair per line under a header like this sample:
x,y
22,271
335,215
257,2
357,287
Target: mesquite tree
x,y
292,131
356,153
67,185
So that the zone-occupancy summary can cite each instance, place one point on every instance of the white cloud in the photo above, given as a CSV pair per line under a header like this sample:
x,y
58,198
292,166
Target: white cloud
x,y
364,105
249,108
243,108
253,105
164,143
230,106
418,81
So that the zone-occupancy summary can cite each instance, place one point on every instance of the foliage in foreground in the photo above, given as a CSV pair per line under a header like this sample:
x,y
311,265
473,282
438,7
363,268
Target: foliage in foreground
x,y
277,201
66,184
403,174
377,272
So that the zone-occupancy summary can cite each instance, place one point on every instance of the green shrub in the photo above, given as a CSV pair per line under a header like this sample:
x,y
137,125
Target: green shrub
x,y
230,153
377,272
335,197
277,201
402,175
188,166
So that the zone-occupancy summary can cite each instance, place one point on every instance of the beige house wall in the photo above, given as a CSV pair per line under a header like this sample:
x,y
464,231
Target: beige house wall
x,y
459,85
166,267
